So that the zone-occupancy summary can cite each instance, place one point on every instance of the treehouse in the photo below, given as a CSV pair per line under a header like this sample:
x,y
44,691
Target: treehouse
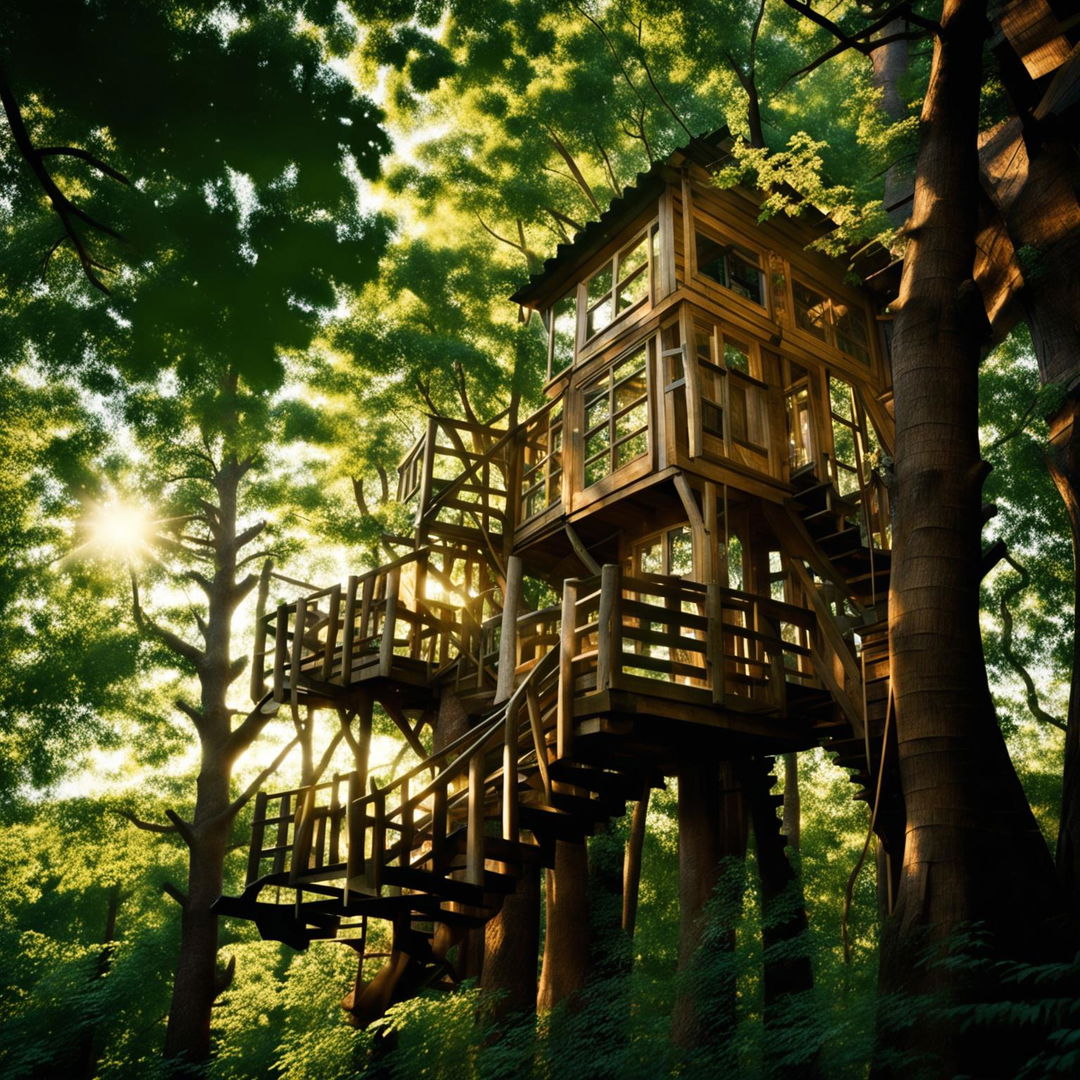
x,y
700,507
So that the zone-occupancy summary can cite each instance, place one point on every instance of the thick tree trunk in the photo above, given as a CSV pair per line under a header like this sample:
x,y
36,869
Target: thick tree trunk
x,y
973,852
1037,201
512,948
712,847
568,937
792,802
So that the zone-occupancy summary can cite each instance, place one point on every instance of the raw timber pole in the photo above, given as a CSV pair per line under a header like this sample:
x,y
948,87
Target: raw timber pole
x,y
512,937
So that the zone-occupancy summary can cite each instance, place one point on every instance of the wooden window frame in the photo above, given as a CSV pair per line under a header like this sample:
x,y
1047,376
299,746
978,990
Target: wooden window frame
x,y
546,472
830,334
730,245
640,463
648,235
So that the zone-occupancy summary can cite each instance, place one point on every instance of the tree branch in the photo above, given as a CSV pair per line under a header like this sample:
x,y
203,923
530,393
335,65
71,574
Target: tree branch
x,y
169,889
171,641
572,165
245,733
1011,658
182,827
146,826
243,799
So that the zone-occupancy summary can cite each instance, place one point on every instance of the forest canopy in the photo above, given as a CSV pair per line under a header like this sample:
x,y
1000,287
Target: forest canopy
x,y
256,256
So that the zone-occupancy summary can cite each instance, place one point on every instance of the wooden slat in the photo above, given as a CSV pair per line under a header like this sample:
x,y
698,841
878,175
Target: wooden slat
x,y
258,829
348,631
331,633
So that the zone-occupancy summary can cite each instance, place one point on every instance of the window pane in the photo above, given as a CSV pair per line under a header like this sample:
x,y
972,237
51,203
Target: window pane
x,y
650,558
634,362
851,334
710,259
744,277
597,470
635,289
626,393
597,442
811,310
597,412
633,448
840,398
600,283
737,356
599,318
563,334
680,552
632,258
631,421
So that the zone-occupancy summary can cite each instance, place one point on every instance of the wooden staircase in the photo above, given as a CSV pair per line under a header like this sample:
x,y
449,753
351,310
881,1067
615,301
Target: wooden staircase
x,y
853,582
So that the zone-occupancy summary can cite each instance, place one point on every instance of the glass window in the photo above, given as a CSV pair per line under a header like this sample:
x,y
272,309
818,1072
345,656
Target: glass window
x,y
563,334
620,284
733,267
541,478
616,417
670,552
831,320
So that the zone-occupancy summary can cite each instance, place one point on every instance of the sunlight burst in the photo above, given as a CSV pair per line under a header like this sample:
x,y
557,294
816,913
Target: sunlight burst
x,y
120,529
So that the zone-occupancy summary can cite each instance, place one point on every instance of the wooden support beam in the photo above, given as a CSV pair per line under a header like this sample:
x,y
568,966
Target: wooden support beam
x,y
635,843
508,636
580,550
386,646
608,636
568,642
474,836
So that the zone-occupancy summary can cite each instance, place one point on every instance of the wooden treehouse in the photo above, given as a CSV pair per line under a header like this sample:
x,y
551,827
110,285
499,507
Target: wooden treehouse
x,y
702,501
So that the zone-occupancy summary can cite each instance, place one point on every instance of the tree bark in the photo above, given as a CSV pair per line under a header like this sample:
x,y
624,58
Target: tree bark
x,y
967,814
187,1036
890,64
512,948
712,845
568,936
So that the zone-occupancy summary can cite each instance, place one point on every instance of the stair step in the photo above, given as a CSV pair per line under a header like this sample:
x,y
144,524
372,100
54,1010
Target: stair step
x,y
547,821
592,810
409,877
618,785
500,849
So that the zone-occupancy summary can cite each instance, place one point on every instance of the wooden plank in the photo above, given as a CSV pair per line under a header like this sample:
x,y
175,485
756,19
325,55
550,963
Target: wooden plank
x,y
609,638
568,647
390,618
331,633
281,651
348,633
258,829
474,837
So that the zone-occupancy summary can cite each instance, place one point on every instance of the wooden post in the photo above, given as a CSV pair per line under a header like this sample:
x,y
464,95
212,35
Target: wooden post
x,y
508,636
438,825
406,824
427,472
331,633
474,837
302,833
714,639
281,650
258,829
378,841
568,640
367,598
357,830
537,725
608,636
635,842
510,768
297,645
386,647
334,850
348,633
258,657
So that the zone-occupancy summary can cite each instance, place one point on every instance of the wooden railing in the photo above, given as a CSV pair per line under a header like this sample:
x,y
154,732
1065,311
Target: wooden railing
x,y
341,635
459,473
656,636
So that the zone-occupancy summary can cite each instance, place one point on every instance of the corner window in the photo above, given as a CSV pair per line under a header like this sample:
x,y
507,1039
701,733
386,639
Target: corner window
x,y
616,427
670,552
732,266
561,321
620,284
541,478
833,321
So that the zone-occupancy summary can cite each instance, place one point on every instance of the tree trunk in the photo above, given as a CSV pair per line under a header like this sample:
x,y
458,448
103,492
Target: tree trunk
x,y
1036,199
568,936
973,852
712,846
792,802
512,948
890,64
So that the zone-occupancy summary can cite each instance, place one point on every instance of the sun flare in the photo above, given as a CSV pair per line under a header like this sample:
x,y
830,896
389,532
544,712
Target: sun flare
x,y
120,529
